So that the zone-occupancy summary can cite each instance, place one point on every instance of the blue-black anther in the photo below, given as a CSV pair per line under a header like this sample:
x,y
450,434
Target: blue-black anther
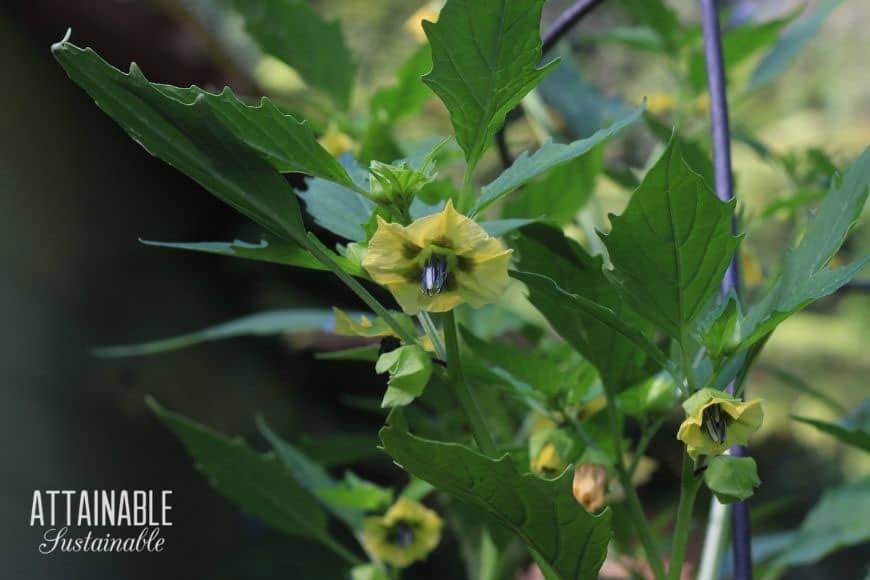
x,y
434,275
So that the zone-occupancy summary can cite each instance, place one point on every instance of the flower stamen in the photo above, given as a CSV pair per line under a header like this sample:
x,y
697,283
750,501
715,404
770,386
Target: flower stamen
x,y
434,274
715,423
403,534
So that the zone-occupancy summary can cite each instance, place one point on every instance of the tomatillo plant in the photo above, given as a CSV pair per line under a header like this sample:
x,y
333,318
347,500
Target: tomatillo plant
x,y
564,342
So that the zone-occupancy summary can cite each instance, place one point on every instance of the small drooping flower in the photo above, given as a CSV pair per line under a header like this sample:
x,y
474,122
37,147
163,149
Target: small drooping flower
x,y
550,450
438,262
407,533
590,485
547,462
345,325
715,421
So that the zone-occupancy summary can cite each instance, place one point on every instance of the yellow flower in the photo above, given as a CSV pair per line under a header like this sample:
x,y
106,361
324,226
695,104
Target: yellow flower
x,y
408,532
590,485
438,262
345,325
715,421
660,103
548,462
335,141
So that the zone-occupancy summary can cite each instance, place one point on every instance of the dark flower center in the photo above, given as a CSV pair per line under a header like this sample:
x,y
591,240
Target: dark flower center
x,y
715,422
403,534
434,274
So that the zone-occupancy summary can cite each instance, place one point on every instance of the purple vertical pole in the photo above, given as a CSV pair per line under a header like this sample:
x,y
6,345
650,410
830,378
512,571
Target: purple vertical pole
x,y
740,529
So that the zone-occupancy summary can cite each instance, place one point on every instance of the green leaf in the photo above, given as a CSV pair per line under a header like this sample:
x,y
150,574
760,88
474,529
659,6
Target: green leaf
x,y
357,493
270,249
260,484
837,521
572,316
697,157
367,572
656,394
671,245
561,193
195,132
292,31
791,380
485,56
855,432
337,208
723,333
731,479
806,276
268,323
549,155
498,228
410,369
588,320
777,59
542,512
738,44
389,104
368,353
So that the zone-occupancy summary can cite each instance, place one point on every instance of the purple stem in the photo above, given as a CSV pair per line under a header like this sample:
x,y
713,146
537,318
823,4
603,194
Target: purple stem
x,y
740,530
563,23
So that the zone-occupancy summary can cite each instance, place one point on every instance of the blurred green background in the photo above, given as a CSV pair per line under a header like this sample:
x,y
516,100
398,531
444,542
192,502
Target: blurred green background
x,y
77,193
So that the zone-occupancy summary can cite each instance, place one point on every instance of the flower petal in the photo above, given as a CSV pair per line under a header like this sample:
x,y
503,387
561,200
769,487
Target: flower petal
x,y
391,255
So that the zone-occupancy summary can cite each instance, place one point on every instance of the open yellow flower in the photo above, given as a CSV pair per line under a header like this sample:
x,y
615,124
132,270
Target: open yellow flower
x,y
408,532
438,262
715,421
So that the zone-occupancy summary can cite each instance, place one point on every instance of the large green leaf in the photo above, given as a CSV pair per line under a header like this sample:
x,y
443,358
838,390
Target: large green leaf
x,y
260,484
837,521
777,59
197,133
270,249
572,315
672,244
853,429
806,276
544,513
549,155
339,208
546,251
267,323
485,56
292,31
561,193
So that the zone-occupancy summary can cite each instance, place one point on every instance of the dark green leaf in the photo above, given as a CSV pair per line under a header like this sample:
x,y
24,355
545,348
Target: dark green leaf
x,y
270,249
267,323
671,245
367,353
797,383
857,436
697,157
561,193
837,521
485,56
195,132
790,44
656,394
806,276
292,31
260,484
587,322
549,155
731,479
338,209
542,512
723,333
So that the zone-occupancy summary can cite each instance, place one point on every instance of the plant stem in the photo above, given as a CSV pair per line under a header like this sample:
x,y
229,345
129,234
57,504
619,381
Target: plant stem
x,y
432,332
466,194
317,248
713,540
689,486
644,442
461,391
341,551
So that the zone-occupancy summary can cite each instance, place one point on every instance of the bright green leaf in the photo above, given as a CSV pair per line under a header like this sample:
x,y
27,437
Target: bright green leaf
x,y
357,493
542,512
270,249
671,245
731,479
410,369
549,155
723,333
498,228
260,484
292,31
656,394
561,193
790,44
806,276
485,56
837,521
367,572
852,430
267,323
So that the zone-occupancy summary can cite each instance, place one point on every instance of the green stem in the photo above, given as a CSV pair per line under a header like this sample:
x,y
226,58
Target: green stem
x,y
320,252
466,195
688,491
635,509
461,391
644,442
714,540
432,332
341,551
